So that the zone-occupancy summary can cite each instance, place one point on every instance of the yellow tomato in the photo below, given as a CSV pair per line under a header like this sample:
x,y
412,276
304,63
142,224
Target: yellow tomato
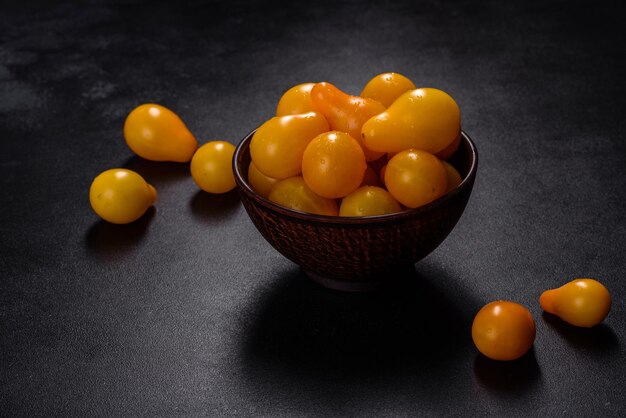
x,y
387,87
368,201
383,169
277,146
296,100
450,149
581,302
211,167
415,178
454,178
503,330
426,119
293,193
156,133
259,182
333,164
346,113
121,196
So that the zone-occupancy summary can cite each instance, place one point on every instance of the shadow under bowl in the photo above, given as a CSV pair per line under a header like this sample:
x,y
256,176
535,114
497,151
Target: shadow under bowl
x,y
357,253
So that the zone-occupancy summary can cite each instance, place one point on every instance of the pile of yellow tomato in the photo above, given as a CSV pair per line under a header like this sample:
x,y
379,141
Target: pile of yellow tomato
x,y
327,152
155,133
330,153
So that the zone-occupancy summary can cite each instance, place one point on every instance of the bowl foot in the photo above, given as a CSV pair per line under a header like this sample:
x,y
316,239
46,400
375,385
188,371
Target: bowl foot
x,y
390,279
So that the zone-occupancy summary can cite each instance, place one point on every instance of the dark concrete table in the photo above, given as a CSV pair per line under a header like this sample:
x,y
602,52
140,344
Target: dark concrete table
x,y
189,311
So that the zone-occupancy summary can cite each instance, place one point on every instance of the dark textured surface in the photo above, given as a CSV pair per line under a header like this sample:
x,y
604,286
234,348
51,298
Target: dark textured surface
x,y
189,311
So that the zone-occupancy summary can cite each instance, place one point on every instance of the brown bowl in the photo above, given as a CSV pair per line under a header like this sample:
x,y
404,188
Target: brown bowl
x,y
357,253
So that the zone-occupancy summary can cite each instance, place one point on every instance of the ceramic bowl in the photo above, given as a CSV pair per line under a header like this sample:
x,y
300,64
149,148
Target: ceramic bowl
x,y
351,253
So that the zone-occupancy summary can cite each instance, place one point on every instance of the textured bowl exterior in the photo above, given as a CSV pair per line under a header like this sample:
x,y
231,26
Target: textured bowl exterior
x,y
356,250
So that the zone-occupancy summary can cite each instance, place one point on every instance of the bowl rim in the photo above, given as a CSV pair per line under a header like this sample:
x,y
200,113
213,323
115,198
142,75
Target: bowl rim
x,y
244,187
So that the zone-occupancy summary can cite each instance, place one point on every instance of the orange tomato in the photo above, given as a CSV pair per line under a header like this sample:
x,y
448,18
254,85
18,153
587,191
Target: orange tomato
x,y
212,167
156,133
581,302
296,100
454,178
333,164
426,119
415,178
346,113
277,145
369,201
387,87
121,196
293,193
259,182
503,330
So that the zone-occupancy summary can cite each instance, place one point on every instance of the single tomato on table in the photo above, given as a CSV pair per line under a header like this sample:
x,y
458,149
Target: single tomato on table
x,y
121,196
156,133
581,302
503,330
211,167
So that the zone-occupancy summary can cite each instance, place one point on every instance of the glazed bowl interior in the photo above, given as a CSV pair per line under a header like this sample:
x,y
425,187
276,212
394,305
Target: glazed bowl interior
x,y
356,253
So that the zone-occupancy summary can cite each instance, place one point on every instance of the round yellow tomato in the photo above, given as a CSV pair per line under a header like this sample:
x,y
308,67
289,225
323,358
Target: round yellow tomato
x,y
415,178
387,87
581,302
369,201
121,196
333,164
156,133
296,100
277,146
259,182
211,167
503,330
293,193
454,178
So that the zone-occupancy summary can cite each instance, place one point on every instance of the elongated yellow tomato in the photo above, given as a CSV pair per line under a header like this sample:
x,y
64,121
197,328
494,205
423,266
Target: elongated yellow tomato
x,y
121,196
211,167
387,87
296,100
503,330
259,182
277,146
581,302
156,133
333,164
293,193
426,119
346,113
369,201
454,178
415,178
